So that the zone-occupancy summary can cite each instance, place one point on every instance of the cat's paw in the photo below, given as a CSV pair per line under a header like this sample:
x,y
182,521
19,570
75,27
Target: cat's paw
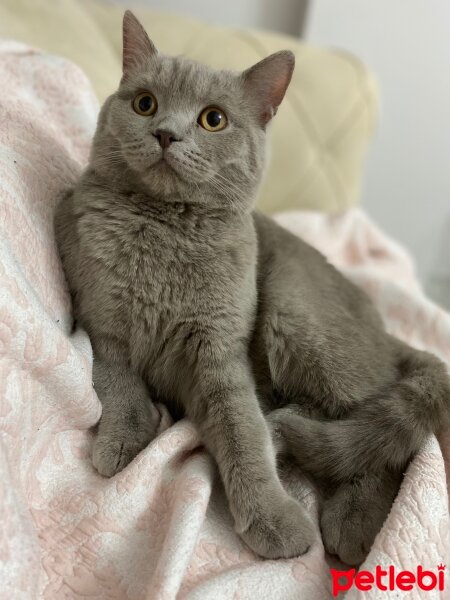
x,y
349,526
122,435
111,454
283,531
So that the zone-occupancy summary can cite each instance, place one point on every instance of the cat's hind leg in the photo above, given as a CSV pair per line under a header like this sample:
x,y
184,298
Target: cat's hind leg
x,y
383,431
365,453
353,509
354,514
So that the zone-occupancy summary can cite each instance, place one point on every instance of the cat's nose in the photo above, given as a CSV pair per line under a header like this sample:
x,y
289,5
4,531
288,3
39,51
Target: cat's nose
x,y
165,137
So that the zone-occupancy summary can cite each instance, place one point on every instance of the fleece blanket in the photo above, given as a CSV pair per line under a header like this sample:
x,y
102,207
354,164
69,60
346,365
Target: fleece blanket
x,y
160,529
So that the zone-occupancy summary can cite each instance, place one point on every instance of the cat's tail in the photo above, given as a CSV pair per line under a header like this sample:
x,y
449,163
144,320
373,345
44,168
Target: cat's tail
x,y
382,432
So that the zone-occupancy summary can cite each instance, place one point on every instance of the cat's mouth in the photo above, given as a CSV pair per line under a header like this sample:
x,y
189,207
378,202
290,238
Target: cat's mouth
x,y
162,162
171,167
167,163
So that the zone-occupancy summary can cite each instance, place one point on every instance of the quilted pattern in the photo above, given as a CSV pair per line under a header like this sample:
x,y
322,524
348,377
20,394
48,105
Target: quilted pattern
x,y
321,132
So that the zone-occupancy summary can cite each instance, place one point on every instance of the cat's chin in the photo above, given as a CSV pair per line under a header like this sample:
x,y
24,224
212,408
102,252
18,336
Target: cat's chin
x,y
162,179
164,166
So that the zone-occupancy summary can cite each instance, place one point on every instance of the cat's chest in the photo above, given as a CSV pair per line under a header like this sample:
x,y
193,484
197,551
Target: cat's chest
x,y
155,290
149,269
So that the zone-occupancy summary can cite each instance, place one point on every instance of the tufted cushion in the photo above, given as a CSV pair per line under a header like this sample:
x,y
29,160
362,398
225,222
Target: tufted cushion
x,y
320,134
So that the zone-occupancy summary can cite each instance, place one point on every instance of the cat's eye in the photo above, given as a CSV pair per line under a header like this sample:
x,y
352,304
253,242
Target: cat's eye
x,y
212,119
145,104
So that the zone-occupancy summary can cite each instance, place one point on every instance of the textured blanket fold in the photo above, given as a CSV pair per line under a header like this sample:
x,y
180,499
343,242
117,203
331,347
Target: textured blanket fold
x,y
160,529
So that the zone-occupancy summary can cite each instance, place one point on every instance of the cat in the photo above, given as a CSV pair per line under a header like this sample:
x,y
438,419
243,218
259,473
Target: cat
x,y
193,298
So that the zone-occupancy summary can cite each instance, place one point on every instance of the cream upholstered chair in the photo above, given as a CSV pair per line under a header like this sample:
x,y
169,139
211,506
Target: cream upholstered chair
x,y
322,129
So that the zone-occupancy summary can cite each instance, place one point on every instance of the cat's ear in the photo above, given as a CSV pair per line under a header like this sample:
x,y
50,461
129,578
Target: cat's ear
x,y
137,46
267,82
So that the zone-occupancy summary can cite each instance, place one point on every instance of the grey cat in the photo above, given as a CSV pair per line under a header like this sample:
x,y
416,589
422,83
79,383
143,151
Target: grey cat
x,y
192,298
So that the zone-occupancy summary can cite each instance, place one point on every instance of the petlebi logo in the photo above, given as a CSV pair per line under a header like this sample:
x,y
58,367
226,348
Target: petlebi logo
x,y
388,579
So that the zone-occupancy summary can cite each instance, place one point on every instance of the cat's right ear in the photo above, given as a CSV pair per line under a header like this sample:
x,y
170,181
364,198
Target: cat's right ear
x,y
137,46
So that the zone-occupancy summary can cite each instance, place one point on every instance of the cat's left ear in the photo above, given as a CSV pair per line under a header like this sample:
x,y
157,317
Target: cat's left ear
x,y
267,81
137,46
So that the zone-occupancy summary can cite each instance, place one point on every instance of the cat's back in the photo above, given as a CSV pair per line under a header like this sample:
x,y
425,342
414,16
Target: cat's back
x,y
341,347
290,267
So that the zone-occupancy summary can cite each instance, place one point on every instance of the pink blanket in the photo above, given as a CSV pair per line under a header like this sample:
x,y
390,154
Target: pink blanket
x,y
161,528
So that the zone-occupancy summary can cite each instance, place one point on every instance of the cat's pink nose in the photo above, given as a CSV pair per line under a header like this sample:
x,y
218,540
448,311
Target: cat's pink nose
x,y
165,137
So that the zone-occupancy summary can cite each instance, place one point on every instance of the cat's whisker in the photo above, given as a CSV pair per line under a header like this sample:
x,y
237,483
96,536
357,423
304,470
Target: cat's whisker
x,y
230,184
106,155
233,192
225,193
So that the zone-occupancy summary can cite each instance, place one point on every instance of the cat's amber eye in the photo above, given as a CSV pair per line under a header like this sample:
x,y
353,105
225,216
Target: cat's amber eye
x,y
213,119
145,104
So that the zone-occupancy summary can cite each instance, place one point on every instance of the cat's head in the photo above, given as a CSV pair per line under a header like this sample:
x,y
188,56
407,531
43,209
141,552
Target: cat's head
x,y
182,129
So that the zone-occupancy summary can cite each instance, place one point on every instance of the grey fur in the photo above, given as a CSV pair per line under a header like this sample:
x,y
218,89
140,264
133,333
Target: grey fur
x,y
192,298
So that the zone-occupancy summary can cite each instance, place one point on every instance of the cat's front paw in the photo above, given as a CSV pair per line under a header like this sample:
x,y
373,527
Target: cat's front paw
x,y
112,453
283,531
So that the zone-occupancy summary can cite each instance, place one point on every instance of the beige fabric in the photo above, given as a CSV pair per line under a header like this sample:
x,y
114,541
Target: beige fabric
x,y
321,132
